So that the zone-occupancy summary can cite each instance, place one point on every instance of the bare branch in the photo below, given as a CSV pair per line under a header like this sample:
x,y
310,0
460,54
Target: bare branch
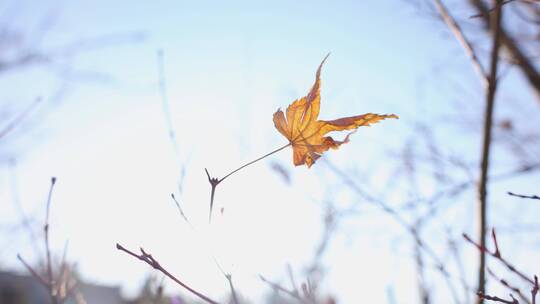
x,y
148,259
463,41
486,144
536,197
512,47
497,299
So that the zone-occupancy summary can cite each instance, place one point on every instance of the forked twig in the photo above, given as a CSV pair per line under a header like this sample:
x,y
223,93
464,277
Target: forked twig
x,y
48,282
497,299
497,255
149,259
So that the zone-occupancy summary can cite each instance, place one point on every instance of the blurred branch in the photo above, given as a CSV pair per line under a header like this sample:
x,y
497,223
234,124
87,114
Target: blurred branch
x,y
439,265
534,290
507,285
463,41
17,121
521,59
294,294
47,246
149,259
497,255
536,197
504,2
62,286
486,144
483,296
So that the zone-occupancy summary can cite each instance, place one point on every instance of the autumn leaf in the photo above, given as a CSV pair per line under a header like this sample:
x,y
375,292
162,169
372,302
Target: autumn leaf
x,y
306,133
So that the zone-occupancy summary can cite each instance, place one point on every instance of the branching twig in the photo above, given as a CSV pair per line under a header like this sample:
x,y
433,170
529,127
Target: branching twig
x,y
49,281
148,259
497,299
522,61
499,257
507,285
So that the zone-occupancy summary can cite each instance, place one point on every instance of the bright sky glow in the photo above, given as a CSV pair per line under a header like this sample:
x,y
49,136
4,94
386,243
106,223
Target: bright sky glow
x,y
228,67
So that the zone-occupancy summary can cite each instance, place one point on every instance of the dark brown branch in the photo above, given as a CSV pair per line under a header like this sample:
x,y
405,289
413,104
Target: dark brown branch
x,y
486,144
491,9
536,197
148,259
534,290
499,257
49,281
511,46
34,273
497,299
505,283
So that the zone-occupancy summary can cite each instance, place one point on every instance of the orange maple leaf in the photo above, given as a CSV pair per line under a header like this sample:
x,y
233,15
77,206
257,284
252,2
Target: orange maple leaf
x,y
306,134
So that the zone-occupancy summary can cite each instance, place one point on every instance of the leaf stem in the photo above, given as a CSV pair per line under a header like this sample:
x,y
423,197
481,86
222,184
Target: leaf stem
x,y
254,161
215,181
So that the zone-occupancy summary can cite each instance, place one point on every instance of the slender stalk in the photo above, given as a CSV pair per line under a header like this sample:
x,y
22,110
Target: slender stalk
x,y
214,182
488,122
50,276
254,161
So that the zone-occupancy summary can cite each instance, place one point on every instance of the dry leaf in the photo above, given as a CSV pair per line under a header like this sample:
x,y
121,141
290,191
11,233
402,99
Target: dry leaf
x,y
306,133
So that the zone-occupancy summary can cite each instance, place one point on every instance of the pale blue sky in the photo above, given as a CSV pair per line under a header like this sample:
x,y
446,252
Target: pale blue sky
x,y
229,66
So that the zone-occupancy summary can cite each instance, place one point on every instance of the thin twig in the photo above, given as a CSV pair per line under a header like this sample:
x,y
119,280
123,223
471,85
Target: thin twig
x,y
483,296
47,246
534,290
513,48
227,276
499,257
148,259
214,182
486,145
180,210
19,119
463,41
33,272
487,12
439,265
510,287
536,197
167,114
278,287
231,286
